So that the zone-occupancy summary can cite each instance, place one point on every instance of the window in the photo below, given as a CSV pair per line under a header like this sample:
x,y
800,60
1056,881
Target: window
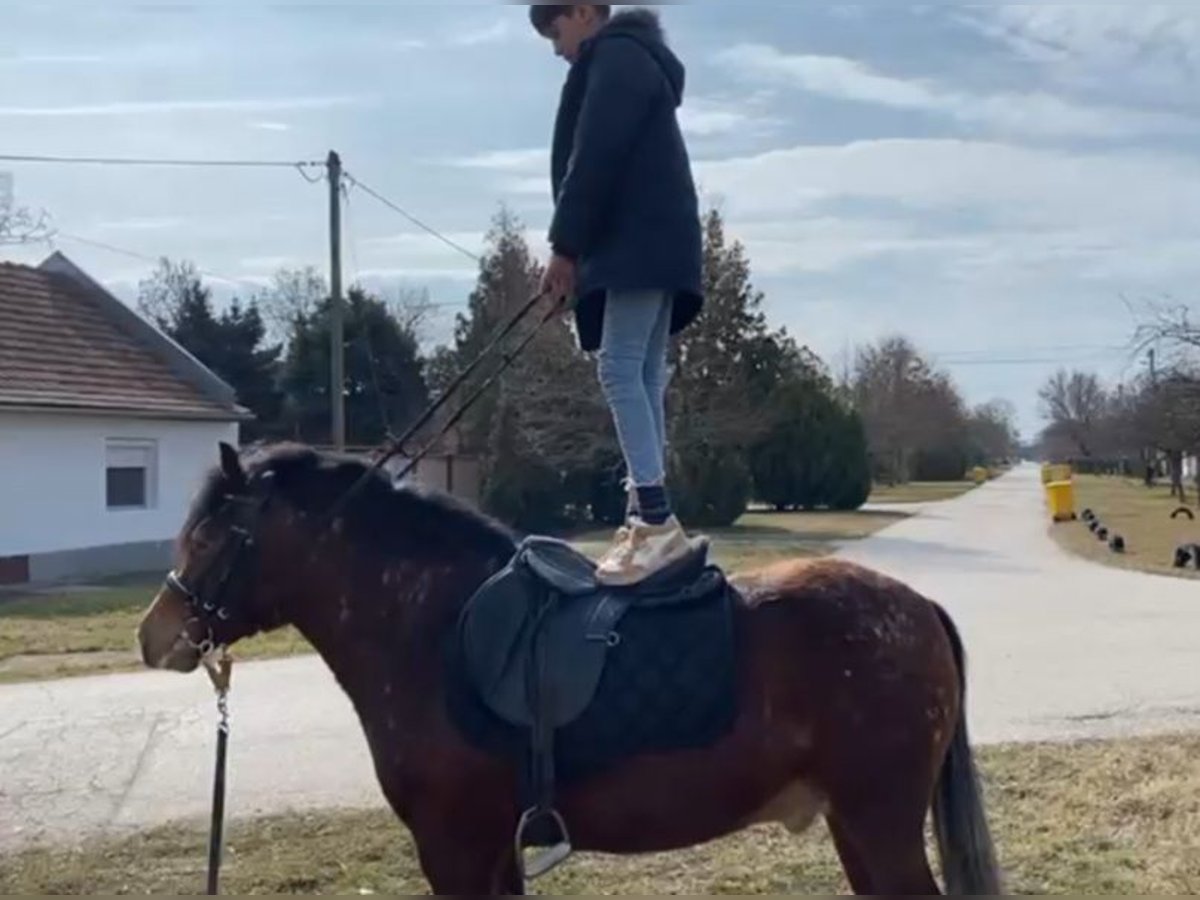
x,y
130,474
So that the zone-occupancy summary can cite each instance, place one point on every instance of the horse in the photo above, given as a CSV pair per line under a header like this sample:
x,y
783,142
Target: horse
x,y
850,698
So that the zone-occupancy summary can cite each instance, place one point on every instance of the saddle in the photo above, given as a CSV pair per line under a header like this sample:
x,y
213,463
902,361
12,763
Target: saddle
x,y
534,641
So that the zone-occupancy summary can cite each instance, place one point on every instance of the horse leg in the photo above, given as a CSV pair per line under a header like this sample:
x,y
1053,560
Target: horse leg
x,y
453,865
852,863
883,850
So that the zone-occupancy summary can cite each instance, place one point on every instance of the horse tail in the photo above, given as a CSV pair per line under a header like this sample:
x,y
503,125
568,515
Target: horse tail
x,y
963,838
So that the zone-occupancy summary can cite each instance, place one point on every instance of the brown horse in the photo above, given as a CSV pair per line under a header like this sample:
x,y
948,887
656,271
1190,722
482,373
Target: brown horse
x,y
850,696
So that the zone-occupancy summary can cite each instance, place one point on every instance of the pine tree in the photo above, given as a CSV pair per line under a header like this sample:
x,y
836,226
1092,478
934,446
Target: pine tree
x,y
545,414
385,386
231,345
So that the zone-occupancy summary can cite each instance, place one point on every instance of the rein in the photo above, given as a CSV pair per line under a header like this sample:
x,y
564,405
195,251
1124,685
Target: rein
x,y
397,446
217,662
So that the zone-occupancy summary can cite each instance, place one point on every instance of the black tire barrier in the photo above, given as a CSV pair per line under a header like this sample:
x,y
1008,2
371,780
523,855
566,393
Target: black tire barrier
x,y
1117,544
1102,534
1094,526
1087,515
1187,555
1184,511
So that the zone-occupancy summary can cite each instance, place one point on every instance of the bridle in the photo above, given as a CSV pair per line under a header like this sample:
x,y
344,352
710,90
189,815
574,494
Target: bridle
x,y
213,606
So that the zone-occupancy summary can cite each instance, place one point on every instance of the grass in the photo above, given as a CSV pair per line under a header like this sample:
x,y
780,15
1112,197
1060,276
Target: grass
x,y
920,491
1118,817
90,630
1139,514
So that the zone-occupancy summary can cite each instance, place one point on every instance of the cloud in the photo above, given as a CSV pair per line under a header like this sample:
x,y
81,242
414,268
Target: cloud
x,y
521,160
55,59
143,223
1106,34
973,211
495,33
1036,113
703,117
169,107
271,126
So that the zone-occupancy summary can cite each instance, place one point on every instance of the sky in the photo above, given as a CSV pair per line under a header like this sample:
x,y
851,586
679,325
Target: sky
x,y
1007,185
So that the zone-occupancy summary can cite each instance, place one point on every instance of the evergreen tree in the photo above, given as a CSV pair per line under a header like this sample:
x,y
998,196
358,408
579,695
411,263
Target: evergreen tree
x,y
231,344
385,387
718,396
545,414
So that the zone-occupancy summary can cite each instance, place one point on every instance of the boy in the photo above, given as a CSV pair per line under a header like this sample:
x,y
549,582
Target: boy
x,y
626,245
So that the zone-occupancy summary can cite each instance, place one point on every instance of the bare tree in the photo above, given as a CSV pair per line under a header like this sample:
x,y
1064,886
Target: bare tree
x,y
294,295
1074,404
19,224
906,406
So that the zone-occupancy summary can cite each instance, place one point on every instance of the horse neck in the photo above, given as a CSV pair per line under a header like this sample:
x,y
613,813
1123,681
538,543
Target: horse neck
x,y
380,623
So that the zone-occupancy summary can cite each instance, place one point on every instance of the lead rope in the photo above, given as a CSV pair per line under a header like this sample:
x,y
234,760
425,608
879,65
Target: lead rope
x,y
219,673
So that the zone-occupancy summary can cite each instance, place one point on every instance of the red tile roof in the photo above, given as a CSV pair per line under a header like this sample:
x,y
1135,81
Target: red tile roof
x,y
61,346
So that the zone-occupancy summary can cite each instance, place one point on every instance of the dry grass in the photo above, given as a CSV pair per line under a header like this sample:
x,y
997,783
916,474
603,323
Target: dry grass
x,y
90,630
920,491
1139,514
1089,818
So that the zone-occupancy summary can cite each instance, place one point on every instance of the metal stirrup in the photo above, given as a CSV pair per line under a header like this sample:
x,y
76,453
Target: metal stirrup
x,y
545,860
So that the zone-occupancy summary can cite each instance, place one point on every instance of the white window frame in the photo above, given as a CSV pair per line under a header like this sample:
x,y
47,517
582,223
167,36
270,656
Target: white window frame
x,y
126,450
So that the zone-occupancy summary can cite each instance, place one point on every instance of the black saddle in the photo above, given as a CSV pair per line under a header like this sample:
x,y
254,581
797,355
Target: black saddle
x,y
535,640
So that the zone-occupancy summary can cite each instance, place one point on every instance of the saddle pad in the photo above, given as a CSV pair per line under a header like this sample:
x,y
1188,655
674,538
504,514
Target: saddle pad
x,y
670,684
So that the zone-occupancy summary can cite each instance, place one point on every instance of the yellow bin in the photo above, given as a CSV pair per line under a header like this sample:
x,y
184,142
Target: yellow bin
x,y
979,474
1061,495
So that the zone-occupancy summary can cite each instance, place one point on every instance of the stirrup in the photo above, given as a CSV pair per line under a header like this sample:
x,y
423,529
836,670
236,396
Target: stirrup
x,y
545,860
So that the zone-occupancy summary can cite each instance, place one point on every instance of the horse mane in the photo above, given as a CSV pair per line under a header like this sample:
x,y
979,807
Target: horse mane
x,y
381,516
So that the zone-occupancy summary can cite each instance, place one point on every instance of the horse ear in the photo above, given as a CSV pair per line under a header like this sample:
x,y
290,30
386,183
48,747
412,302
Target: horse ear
x,y
231,465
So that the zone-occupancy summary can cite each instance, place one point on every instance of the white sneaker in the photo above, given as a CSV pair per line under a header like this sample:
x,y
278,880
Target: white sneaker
x,y
640,549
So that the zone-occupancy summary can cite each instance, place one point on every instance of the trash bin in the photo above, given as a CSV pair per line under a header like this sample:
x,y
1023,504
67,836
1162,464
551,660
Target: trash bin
x,y
1061,496
979,474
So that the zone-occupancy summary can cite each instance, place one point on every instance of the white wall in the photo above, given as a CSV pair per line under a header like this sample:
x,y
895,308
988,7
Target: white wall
x,y
52,479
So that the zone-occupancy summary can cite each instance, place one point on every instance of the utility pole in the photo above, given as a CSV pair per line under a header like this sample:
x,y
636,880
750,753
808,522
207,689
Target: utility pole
x,y
1153,370
337,348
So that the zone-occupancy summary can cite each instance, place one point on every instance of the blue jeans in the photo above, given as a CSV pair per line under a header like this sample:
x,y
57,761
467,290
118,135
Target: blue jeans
x,y
634,376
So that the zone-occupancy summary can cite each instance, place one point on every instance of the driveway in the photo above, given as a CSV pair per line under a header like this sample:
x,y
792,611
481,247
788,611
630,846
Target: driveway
x,y
1058,648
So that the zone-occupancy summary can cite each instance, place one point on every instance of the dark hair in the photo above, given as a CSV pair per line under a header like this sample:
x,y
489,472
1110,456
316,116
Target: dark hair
x,y
542,15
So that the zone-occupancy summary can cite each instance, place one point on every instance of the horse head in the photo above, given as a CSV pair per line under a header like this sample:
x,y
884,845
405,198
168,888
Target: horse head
x,y
217,593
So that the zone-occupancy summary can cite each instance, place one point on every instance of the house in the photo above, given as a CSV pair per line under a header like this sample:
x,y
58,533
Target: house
x,y
106,429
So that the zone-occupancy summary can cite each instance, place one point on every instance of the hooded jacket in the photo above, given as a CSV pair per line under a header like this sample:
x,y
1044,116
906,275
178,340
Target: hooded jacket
x,y
625,202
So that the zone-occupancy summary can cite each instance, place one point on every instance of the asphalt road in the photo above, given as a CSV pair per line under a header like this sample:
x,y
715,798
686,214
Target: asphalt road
x,y
1058,648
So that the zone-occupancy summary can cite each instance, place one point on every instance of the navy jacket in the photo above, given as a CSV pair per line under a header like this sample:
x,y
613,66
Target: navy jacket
x,y
625,203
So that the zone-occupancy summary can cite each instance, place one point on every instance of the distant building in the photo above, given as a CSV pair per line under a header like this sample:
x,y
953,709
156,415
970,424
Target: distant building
x,y
106,428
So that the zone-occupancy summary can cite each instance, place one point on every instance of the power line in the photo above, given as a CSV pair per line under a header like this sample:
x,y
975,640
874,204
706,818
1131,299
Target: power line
x,y
150,161
474,257
133,254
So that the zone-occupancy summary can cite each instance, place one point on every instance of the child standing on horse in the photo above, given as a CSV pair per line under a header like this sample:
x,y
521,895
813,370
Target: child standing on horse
x,y
626,245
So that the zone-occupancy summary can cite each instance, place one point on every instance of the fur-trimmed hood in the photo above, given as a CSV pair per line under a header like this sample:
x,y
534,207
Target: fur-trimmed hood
x,y
644,26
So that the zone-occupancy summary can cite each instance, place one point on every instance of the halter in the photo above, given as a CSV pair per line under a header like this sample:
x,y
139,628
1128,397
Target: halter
x,y
213,606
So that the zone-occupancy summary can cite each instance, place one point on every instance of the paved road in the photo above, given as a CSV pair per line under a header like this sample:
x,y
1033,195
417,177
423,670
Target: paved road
x,y
1058,648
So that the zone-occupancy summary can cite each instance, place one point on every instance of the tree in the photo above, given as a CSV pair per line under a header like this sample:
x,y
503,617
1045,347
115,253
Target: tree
x,y
232,344
719,394
545,415
1074,403
914,417
384,388
294,296
992,432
